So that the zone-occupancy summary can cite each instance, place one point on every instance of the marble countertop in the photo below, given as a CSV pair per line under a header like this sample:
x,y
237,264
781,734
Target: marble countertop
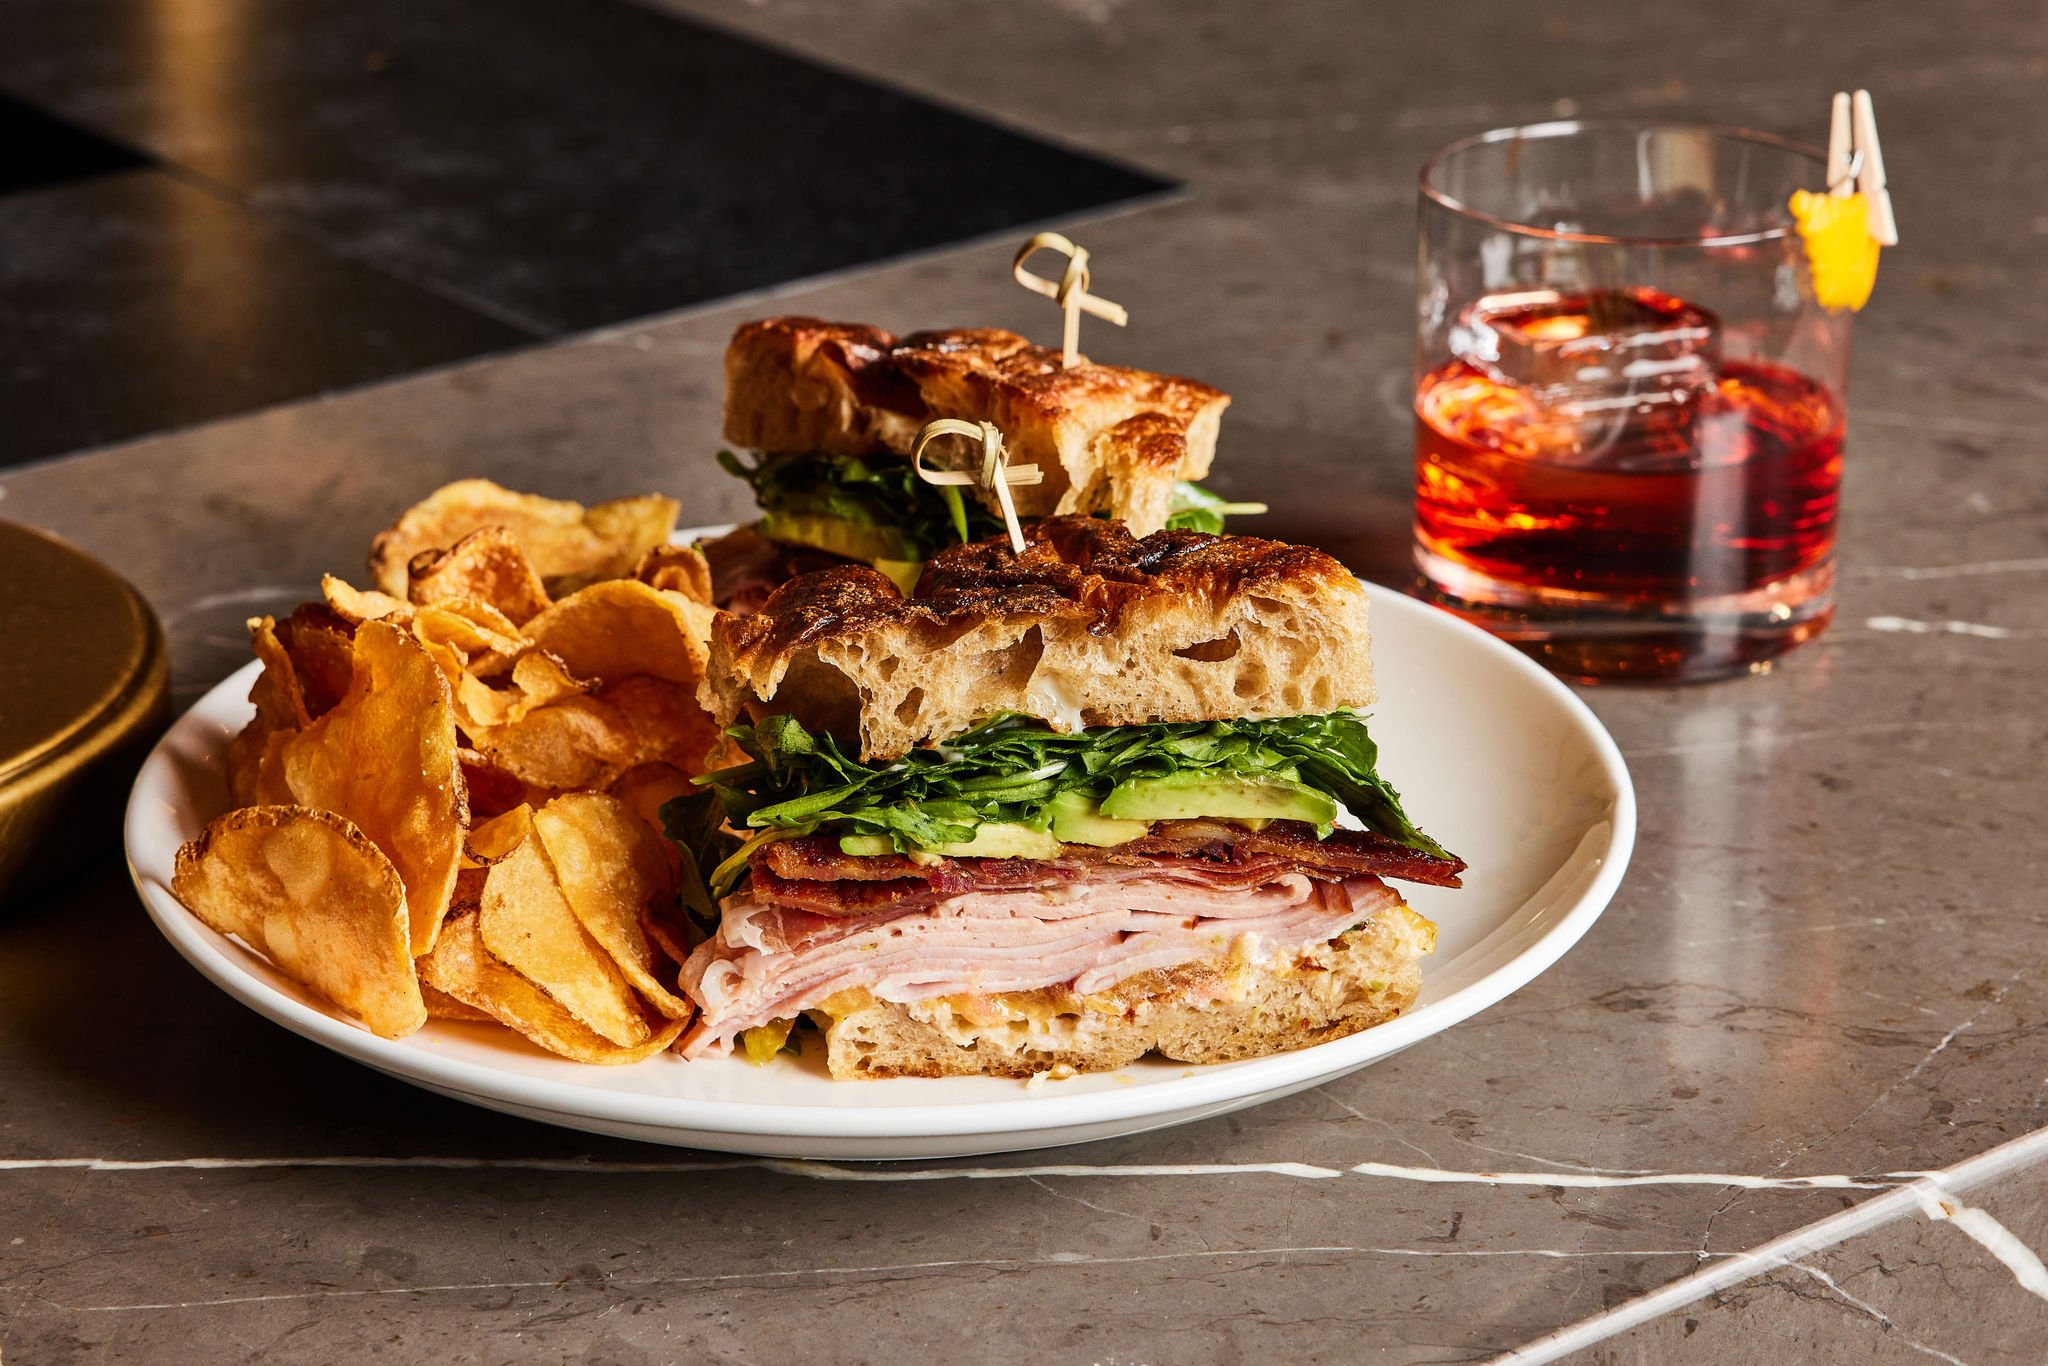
x,y
1703,1136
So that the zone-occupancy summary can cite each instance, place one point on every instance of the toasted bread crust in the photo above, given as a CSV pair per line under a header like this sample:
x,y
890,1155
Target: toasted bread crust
x,y
1207,1011
1106,438
1089,627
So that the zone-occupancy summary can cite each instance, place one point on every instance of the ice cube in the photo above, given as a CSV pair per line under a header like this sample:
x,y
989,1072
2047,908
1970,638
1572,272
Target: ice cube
x,y
1595,350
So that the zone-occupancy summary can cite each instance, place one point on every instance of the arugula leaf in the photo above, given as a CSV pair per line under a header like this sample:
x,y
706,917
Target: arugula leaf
x,y
885,492
880,492
695,824
1009,770
1194,508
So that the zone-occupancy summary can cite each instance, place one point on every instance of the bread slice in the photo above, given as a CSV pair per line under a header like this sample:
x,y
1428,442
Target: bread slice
x,y
1214,1010
1089,627
1105,438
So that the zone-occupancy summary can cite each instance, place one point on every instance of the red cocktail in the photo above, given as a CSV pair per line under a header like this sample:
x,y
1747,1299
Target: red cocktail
x,y
1630,480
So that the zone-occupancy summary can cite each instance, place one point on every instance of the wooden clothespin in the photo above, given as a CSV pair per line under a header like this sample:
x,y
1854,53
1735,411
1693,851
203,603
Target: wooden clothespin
x,y
1841,175
1856,162
996,473
1844,229
1070,291
1870,179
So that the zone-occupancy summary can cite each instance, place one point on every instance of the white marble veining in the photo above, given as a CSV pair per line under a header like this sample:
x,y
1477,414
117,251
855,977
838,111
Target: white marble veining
x,y
1930,1193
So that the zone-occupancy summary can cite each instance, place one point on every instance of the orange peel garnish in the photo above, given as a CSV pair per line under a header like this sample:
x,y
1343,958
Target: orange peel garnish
x,y
1835,229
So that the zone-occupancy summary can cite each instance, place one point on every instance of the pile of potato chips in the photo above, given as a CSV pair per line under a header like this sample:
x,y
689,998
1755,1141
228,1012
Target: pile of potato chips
x,y
448,801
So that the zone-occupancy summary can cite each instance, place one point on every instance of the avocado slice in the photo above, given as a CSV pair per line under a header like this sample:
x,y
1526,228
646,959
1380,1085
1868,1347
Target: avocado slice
x,y
993,840
861,541
1076,819
1185,796
903,573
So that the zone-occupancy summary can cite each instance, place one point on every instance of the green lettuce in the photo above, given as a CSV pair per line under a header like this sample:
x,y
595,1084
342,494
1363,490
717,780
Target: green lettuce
x,y
1009,770
695,824
884,491
880,492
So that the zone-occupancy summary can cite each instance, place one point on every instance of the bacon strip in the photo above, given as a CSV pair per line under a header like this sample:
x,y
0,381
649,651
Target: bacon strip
x,y
1206,849
996,877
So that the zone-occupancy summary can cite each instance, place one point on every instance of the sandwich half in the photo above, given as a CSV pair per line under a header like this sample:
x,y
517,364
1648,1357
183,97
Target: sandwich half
x,y
829,412
1058,810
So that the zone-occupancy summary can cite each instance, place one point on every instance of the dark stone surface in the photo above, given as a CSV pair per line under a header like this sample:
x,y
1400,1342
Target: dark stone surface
x,y
1827,958
559,163
357,190
41,149
137,302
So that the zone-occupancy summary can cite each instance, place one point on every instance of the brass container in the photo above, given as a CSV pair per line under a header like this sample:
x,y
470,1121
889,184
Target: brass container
x,y
83,693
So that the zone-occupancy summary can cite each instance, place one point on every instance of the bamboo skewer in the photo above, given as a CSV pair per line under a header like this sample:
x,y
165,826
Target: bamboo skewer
x,y
1070,291
996,473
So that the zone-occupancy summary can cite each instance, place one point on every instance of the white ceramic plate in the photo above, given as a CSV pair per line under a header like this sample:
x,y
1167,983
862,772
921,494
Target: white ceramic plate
x,y
1492,756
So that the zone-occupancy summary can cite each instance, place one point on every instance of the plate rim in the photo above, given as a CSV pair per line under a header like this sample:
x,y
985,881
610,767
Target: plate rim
x,y
1041,1112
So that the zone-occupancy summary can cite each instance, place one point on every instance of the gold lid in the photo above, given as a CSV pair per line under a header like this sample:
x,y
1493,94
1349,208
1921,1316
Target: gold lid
x,y
82,690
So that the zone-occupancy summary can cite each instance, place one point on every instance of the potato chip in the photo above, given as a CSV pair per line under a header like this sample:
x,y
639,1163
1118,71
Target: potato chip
x,y
497,837
467,636
672,939
460,967
254,764
385,758
356,606
471,626
479,707
668,725
486,565
566,545
678,568
442,1006
634,527
648,787
614,630
245,771
541,677
280,701
538,678
316,895
279,696
645,789
492,791
321,646
454,510
256,767
527,924
578,743
478,704
614,872
468,895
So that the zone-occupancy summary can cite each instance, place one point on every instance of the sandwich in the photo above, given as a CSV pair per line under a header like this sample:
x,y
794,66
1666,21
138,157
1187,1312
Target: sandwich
x,y
828,413
1054,811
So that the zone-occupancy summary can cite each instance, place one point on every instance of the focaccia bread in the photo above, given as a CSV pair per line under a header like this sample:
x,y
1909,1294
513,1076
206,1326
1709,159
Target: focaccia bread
x,y
1212,1010
1089,627
1105,438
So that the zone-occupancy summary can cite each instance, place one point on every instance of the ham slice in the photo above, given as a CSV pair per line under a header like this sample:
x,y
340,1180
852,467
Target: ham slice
x,y
774,959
